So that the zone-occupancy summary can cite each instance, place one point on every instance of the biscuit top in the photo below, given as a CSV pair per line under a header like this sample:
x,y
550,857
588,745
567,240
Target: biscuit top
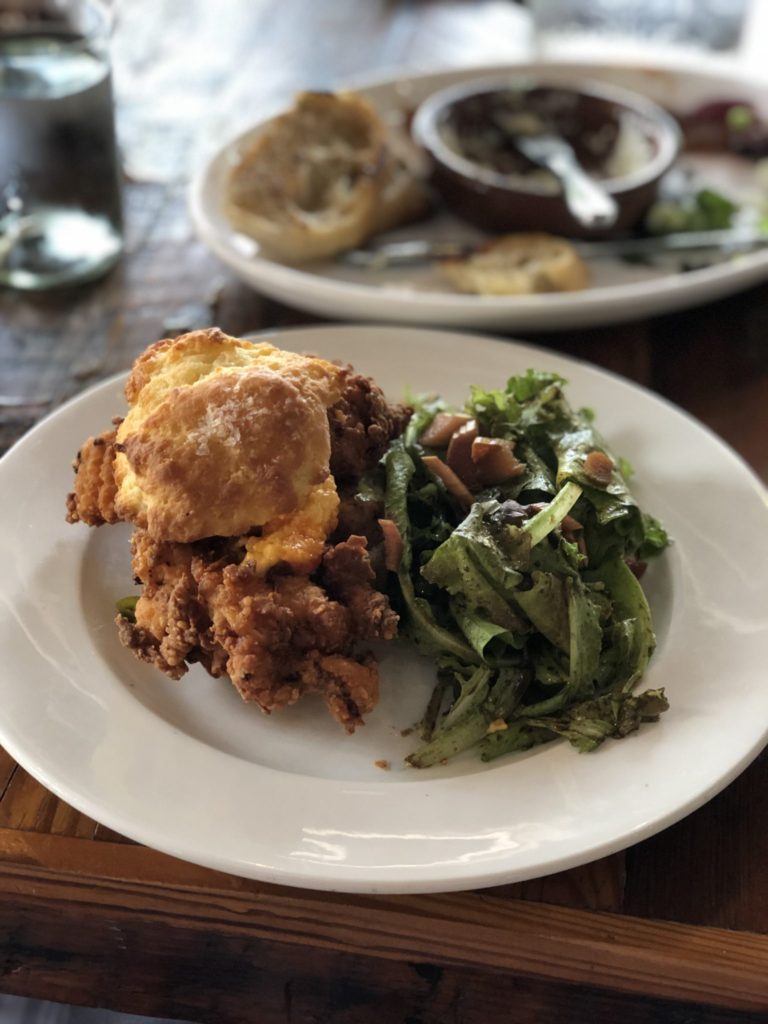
x,y
223,435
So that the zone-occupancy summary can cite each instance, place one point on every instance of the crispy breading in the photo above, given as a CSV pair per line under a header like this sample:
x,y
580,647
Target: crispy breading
x,y
362,423
93,499
276,638
348,575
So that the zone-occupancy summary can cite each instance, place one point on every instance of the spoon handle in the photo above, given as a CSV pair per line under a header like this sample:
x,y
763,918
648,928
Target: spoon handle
x,y
590,204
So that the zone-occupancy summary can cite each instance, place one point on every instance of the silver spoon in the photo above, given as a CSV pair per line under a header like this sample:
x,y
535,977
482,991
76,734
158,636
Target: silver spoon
x,y
587,201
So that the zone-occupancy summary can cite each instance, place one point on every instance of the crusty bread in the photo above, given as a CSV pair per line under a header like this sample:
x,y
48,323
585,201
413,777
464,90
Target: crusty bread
x,y
319,179
520,264
401,198
223,435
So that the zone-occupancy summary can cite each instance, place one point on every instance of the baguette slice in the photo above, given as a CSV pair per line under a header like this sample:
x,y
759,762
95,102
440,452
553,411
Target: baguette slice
x,y
520,264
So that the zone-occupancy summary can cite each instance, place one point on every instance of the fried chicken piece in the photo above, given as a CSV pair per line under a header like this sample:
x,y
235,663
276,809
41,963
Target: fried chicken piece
x,y
146,647
277,637
358,516
169,608
348,575
93,499
362,423
287,637
171,626
350,688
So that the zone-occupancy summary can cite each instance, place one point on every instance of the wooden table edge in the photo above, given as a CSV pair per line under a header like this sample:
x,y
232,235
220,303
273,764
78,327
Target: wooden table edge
x,y
630,955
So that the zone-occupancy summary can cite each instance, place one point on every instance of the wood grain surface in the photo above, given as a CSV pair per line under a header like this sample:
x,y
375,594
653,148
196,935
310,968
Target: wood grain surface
x,y
129,891
674,930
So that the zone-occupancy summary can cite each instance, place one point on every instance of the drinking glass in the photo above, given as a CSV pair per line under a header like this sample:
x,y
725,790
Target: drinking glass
x,y
60,211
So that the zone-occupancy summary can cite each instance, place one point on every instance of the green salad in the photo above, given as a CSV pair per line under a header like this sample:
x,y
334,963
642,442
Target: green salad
x,y
519,547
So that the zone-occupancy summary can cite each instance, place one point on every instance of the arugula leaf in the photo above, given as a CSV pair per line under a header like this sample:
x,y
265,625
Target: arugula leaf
x,y
586,636
481,703
527,399
655,538
546,605
424,411
612,519
630,604
577,616
588,724
472,563
481,632
518,736
427,634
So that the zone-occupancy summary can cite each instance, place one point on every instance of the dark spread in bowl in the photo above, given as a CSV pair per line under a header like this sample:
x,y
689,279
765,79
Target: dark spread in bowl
x,y
621,139
608,141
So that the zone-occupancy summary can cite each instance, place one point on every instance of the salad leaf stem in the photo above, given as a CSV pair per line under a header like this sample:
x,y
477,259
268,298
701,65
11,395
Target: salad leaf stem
x,y
544,522
481,702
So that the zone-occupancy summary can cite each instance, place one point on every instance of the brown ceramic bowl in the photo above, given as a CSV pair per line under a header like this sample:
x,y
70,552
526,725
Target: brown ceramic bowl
x,y
622,139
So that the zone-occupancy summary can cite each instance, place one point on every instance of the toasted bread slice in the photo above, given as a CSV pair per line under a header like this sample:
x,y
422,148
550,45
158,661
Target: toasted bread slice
x,y
521,264
319,179
402,197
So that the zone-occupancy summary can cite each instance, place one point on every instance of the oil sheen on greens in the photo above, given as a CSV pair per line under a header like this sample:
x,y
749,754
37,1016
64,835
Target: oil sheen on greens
x,y
532,639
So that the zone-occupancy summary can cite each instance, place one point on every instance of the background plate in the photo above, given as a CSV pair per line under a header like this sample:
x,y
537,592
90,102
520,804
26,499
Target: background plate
x,y
621,291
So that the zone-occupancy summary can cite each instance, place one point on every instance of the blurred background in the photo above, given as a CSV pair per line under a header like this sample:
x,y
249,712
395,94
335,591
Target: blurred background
x,y
240,60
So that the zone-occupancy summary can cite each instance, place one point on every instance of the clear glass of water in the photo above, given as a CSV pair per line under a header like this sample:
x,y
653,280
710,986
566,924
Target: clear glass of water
x,y
60,210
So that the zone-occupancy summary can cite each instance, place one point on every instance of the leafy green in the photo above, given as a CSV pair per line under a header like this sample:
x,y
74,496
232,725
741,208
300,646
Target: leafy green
x,y
586,725
539,478
126,606
655,538
425,631
586,636
480,632
519,735
705,210
527,401
472,563
537,624
626,468
544,522
424,411
546,605
482,701
630,606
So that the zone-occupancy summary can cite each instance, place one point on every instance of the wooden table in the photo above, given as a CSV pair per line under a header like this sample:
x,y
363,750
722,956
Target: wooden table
x,y
674,929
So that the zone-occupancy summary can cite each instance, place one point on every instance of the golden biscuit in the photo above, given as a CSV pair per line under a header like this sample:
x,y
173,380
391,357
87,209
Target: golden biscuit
x,y
223,436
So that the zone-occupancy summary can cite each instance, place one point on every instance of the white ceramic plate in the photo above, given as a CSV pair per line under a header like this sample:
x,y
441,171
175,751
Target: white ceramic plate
x,y
620,291
187,768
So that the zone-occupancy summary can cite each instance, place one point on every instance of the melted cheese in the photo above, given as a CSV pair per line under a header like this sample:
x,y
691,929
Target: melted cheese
x,y
298,538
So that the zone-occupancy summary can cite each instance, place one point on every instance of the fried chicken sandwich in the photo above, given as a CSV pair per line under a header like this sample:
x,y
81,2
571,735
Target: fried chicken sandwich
x,y
237,465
